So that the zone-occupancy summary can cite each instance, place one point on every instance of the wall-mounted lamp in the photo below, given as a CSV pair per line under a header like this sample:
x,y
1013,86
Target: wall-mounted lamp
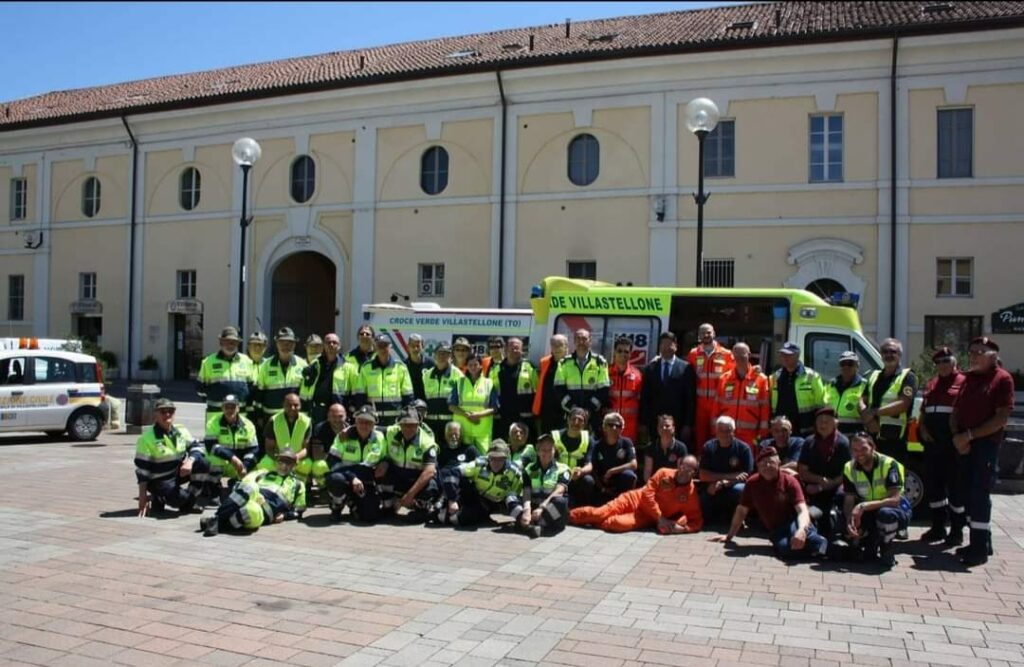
x,y
395,296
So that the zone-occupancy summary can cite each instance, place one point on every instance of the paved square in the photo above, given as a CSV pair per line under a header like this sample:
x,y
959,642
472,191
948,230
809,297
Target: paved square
x,y
87,583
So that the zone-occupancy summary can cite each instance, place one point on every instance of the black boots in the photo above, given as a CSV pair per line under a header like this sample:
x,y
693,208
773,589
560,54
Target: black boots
x,y
938,530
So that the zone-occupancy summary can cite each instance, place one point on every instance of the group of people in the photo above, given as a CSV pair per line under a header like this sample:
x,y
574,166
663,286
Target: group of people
x,y
677,444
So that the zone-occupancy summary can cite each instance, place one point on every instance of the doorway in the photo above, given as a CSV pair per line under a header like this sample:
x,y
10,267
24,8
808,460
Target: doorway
x,y
188,344
302,296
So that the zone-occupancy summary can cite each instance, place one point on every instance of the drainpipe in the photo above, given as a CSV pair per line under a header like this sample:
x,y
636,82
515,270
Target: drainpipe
x,y
501,194
131,246
892,188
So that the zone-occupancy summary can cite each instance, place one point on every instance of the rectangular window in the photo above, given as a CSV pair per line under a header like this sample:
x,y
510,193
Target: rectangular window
x,y
719,272
584,270
954,276
87,286
956,143
720,150
187,284
431,280
826,159
15,298
953,331
19,198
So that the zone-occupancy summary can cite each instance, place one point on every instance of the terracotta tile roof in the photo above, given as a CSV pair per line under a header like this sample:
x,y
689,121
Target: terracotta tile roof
x,y
742,26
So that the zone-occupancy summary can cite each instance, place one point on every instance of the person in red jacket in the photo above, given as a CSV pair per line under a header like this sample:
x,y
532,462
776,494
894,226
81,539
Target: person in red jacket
x,y
709,360
624,393
743,395
669,502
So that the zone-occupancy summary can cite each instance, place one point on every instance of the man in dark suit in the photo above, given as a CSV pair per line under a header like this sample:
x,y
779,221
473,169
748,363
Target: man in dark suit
x,y
669,388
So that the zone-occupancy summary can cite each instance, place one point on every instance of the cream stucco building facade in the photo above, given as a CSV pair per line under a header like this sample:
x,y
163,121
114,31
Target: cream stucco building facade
x,y
509,213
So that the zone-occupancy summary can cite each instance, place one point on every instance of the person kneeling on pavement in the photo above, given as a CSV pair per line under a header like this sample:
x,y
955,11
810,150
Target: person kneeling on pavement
x,y
166,458
354,459
454,452
231,446
262,497
610,466
669,501
480,488
874,505
725,464
545,508
407,474
779,501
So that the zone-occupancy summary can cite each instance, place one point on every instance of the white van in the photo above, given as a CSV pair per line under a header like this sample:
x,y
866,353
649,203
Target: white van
x,y
52,391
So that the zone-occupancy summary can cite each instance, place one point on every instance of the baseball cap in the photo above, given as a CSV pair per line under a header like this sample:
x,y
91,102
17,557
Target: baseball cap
x,y
230,333
366,412
287,454
767,452
382,339
314,340
164,404
461,341
409,416
258,337
286,334
230,399
849,355
943,354
443,347
827,410
789,347
499,449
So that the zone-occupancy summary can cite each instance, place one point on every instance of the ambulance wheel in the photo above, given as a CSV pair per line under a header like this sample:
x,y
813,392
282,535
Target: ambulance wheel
x,y
85,425
913,487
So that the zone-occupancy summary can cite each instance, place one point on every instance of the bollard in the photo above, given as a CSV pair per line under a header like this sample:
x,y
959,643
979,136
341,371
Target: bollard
x,y
138,409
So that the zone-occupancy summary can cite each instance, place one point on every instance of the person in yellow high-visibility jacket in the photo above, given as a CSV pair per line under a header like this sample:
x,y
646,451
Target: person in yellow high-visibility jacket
x,y
473,402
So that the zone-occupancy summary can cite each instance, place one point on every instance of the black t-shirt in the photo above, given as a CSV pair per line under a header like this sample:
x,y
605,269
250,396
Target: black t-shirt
x,y
453,456
665,459
605,456
814,456
416,375
737,457
324,434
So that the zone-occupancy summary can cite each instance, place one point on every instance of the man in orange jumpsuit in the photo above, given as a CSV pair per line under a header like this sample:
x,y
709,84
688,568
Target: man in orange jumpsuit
x,y
743,395
669,501
709,360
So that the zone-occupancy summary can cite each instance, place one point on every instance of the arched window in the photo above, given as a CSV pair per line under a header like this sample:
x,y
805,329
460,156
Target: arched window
x,y
303,179
91,196
584,159
434,170
188,193
825,287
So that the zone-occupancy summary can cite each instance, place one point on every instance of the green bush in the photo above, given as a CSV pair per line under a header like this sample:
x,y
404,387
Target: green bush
x,y
108,359
149,363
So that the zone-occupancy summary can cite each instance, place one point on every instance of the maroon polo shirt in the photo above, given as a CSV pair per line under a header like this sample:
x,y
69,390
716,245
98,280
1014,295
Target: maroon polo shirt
x,y
775,501
979,398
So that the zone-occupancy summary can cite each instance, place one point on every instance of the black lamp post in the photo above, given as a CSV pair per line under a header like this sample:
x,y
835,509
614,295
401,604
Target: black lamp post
x,y
245,153
701,117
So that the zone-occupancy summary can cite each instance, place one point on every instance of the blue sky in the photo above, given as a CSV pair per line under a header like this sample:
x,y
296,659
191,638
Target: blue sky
x,y
58,46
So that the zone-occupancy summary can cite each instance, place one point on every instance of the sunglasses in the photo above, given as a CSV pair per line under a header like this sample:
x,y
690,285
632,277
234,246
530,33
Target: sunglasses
x,y
847,363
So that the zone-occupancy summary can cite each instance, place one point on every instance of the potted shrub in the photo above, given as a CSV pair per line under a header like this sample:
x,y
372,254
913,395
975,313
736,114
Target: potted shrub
x,y
149,369
108,360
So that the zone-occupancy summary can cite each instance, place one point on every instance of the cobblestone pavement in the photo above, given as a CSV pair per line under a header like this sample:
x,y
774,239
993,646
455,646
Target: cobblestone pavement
x,y
84,583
